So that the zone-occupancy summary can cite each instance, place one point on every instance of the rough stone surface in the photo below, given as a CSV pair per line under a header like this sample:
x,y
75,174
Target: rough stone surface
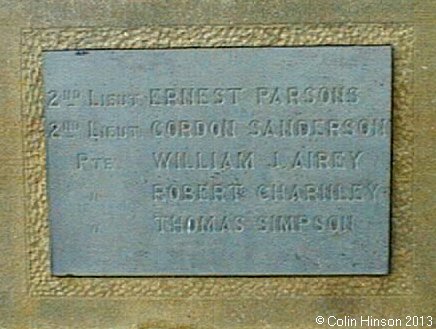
x,y
41,280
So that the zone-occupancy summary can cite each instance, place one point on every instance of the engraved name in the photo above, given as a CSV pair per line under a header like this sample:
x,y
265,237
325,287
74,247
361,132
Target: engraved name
x,y
277,223
206,96
224,128
224,160
341,192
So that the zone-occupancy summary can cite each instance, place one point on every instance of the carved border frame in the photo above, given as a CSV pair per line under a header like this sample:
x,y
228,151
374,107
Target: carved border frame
x,y
42,283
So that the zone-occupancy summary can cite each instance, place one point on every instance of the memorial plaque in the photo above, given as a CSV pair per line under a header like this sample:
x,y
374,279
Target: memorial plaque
x,y
236,161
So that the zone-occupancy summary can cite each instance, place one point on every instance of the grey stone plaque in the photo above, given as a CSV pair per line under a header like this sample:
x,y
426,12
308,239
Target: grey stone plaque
x,y
239,161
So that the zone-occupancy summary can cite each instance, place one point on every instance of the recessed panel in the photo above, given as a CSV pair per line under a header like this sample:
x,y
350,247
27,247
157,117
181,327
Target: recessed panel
x,y
236,161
